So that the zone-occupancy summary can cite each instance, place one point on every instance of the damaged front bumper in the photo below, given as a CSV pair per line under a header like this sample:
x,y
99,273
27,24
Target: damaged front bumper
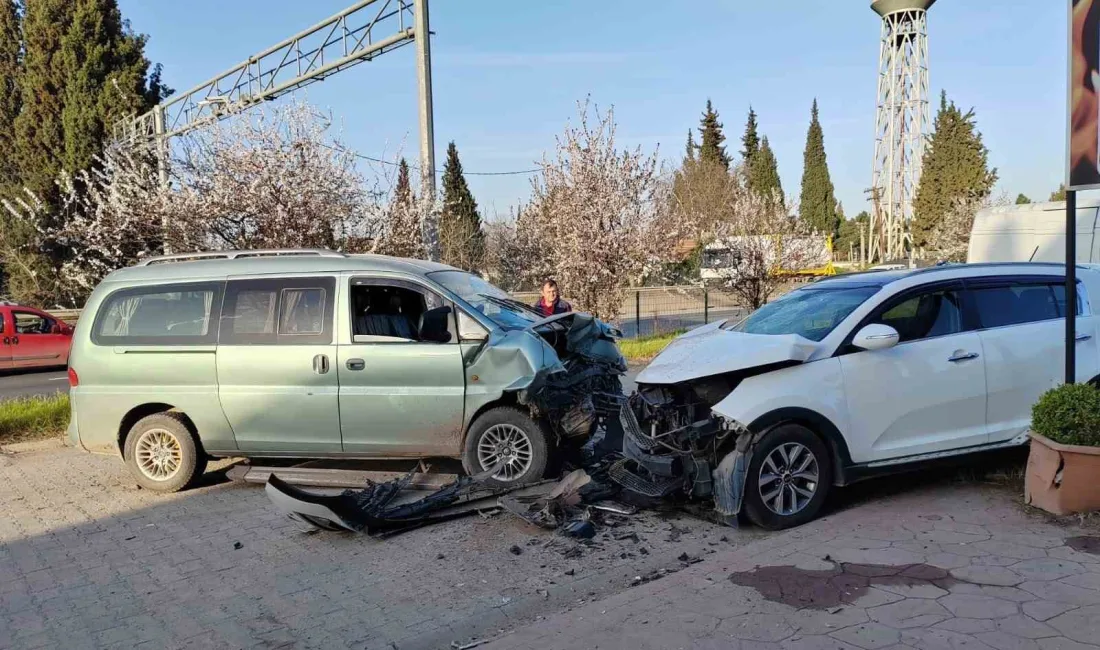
x,y
670,449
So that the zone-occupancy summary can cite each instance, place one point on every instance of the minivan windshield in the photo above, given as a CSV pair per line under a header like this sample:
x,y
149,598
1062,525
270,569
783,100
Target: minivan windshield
x,y
494,303
812,312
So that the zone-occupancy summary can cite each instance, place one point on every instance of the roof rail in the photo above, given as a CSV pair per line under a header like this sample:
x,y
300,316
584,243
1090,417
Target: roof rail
x,y
232,255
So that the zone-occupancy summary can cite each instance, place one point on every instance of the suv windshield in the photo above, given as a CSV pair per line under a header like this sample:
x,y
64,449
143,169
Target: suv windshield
x,y
501,308
811,312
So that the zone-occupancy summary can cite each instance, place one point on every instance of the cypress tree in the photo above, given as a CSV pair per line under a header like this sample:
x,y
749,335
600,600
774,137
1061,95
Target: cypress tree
x,y
39,135
818,203
689,150
106,79
403,190
750,142
711,138
1059,194
10,99
955,167
463,241
764,173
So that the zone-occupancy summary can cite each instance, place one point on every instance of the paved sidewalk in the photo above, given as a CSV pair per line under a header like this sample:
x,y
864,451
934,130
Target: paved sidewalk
x,y
953,567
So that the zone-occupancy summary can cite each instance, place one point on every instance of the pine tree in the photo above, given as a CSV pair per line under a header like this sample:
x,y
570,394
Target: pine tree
x,y
764,173
818,203
403,189
955,167
39,135
463,242
750,142
1059,194
10,99
1022,199
711,138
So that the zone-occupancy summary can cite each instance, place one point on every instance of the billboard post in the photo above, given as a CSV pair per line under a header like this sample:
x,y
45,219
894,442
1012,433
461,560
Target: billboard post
x,y
1082,143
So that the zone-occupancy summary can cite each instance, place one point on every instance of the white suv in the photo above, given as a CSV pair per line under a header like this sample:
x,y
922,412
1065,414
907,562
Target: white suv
x,y
850,377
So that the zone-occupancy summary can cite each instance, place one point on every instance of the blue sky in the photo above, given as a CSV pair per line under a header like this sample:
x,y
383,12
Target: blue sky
x,y
508,74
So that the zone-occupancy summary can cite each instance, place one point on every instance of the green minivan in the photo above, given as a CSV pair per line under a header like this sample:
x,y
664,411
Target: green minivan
x,y
318,354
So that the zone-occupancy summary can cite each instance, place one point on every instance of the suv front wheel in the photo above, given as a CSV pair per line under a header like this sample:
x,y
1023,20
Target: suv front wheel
x,y
789,477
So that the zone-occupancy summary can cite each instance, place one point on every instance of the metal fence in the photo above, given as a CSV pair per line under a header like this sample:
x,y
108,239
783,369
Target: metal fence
x,y
644,312
657,310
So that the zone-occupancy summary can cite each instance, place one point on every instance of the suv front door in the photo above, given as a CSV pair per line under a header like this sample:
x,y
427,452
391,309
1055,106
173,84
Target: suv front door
x,y
927,393
402,386
276,349
1023,339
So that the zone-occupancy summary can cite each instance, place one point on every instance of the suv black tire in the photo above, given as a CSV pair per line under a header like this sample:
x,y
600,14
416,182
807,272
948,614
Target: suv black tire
x,y
502,422
169,428
791,438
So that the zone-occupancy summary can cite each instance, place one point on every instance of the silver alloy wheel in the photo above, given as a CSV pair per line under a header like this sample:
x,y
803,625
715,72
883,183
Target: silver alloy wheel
x,y
158,454
507,446
788,479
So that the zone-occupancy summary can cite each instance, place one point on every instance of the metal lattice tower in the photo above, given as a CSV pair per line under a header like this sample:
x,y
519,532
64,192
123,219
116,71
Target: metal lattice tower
x,y
901,125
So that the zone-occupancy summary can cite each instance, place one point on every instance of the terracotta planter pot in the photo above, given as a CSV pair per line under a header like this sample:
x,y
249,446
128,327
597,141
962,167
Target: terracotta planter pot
x,y
1062,479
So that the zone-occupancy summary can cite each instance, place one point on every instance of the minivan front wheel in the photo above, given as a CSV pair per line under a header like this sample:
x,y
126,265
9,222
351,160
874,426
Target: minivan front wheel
x,y
510,440
788,479
161,453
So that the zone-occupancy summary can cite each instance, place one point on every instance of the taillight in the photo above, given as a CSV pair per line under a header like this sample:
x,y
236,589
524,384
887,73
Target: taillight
x,y
74,380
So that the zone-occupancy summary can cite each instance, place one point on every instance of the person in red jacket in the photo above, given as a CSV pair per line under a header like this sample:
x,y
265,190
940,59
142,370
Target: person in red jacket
x,y
551,302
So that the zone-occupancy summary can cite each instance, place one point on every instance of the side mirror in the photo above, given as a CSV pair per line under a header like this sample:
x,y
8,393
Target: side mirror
x,y
876,337
433,325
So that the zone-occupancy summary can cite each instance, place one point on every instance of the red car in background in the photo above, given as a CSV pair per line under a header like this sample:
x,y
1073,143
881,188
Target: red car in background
x,y
31,338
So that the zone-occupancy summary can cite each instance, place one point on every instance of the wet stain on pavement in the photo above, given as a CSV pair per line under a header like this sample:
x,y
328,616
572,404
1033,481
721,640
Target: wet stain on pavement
x,y
1084,544
841,585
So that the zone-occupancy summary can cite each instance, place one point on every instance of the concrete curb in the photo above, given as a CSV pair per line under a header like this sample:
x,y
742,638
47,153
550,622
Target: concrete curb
x,y
34,445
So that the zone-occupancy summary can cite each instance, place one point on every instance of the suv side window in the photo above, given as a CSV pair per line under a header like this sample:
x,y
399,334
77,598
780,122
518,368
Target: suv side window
x,y
936,312
182,314
289,311
1020,302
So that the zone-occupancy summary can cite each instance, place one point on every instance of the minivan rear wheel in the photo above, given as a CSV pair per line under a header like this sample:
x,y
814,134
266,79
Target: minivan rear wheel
x,y
510,439
789,477
162,455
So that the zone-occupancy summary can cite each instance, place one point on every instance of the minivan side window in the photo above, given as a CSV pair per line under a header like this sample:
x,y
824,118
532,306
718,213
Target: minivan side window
x,y
385,310
1016,304
290,311
183,314
937,312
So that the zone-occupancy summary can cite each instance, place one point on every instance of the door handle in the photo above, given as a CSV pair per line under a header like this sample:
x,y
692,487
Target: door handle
x,y
7,340
15,340
320,364
1083,337
356,364
963,356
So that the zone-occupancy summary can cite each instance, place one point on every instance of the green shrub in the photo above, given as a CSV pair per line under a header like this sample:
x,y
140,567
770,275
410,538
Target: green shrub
x,y
1069,414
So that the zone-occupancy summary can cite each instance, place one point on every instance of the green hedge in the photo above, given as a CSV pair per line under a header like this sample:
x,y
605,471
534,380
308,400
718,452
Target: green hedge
x,y
1069,414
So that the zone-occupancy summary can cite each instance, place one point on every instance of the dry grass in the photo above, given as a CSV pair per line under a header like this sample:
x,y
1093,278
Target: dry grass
x,y
33,418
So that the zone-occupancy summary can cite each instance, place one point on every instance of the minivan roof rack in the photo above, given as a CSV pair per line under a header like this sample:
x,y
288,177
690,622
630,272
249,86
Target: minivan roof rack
x,y
233,255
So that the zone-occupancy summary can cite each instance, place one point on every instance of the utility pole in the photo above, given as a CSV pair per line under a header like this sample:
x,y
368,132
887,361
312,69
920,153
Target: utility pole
x,y
422,33
160,142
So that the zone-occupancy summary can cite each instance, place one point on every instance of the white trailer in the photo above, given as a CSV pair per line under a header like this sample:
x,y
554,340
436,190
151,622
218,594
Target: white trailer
x,y
1033,232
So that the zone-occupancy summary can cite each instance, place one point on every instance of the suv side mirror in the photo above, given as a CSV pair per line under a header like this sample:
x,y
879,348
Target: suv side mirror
x,y
876,337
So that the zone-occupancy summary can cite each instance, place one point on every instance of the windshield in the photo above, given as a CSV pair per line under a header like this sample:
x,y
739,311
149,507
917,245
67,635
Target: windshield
x,y
501,308
811,313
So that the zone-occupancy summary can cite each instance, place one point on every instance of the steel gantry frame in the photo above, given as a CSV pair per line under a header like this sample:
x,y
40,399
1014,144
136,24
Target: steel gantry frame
x,y
901,125
363,31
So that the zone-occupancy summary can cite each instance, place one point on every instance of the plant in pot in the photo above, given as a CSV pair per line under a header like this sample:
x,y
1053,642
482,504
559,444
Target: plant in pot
x,y
1064,462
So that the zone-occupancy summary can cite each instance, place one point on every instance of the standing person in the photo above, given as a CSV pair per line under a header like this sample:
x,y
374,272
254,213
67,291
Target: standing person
x,y
551,303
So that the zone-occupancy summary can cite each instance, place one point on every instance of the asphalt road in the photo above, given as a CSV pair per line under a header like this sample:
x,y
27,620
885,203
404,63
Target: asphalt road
x,y
26,383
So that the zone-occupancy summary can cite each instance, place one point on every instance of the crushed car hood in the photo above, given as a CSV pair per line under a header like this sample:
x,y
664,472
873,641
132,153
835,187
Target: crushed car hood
x,y
710,350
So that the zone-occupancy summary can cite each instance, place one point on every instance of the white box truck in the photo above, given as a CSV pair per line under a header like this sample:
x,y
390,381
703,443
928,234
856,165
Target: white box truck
x,y
1033,232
